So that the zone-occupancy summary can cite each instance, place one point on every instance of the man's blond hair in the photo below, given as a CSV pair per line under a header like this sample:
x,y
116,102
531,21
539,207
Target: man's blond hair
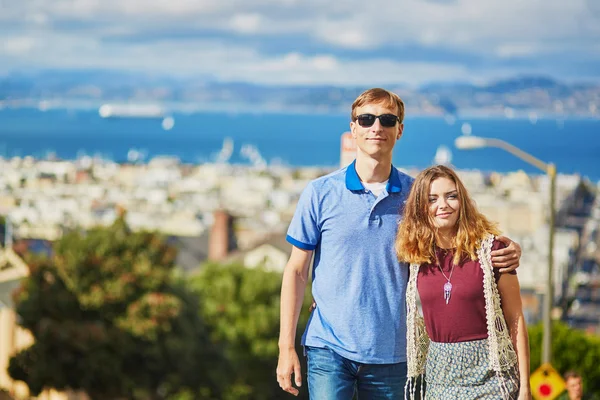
x,y
379,96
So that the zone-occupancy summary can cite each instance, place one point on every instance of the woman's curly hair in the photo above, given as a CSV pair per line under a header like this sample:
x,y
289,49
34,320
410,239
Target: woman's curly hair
x,y
416,237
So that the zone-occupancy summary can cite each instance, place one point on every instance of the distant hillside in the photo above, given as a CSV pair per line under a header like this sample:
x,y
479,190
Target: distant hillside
x,y
521,94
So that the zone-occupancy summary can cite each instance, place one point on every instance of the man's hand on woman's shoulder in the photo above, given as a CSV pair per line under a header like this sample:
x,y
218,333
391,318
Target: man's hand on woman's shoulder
x,y
508,258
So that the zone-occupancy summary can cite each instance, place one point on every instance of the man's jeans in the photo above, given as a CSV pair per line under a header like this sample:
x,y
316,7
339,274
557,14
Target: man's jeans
x,y
333,377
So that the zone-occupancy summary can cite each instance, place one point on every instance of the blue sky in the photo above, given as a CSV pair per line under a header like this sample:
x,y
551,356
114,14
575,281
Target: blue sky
x,y
346,42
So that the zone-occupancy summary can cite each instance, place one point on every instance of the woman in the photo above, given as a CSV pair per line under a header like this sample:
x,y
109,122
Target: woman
x,y
474,342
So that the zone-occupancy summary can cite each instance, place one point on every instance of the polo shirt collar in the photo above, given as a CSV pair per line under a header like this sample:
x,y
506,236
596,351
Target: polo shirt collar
x,y
353,181
394,185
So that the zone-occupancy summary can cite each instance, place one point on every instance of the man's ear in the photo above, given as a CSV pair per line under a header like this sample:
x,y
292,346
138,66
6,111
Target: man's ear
x,y
400,131
353,129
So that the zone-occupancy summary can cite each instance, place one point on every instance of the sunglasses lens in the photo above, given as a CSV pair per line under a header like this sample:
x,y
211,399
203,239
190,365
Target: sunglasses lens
x,y
366,120
388,120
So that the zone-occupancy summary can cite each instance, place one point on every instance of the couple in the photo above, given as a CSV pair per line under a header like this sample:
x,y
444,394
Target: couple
x,y
365,336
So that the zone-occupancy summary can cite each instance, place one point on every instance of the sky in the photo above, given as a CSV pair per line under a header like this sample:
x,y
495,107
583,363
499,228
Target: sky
x,y
308,42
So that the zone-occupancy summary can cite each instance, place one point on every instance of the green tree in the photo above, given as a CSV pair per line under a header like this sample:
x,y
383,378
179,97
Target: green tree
x,y
109,318
242,307
572,349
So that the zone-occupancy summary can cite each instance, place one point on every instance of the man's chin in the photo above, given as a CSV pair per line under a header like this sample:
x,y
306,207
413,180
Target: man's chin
x,y
376,151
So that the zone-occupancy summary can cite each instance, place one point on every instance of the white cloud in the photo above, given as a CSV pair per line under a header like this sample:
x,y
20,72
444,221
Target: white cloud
x,y
459,23
37,19
348,33
246,23
72,33
17,45
202,57
510,50
325,63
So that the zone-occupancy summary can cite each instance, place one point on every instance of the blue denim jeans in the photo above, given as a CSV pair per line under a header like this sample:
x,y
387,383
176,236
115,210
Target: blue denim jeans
x,y
333,377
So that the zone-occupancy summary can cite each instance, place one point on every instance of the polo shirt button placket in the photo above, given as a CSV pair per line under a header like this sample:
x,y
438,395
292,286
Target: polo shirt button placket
x,y
377,220
369,203
374,219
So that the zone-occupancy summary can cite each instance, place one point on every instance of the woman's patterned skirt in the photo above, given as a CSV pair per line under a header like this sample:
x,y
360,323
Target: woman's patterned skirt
x,y
461,371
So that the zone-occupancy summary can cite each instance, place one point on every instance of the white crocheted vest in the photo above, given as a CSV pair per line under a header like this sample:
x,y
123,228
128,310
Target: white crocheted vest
x,y
502,356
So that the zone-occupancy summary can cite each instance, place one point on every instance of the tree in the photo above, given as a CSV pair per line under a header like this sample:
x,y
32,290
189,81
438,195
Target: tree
x,y
242,307
108,318
572,349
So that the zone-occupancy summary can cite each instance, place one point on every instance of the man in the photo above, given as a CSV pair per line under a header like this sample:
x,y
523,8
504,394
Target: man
x,y
355,340
574,387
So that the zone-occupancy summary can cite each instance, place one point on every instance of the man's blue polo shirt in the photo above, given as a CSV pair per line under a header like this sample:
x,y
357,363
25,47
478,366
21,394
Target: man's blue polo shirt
x,y
358,284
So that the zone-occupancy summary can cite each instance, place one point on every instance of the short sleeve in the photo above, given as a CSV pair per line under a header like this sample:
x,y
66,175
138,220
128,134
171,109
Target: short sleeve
x,y
304,231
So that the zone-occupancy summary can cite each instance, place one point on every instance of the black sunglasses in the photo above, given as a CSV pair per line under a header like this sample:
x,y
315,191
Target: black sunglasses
x,y
386,120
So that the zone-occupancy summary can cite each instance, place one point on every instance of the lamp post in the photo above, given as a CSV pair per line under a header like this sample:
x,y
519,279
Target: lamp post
x,y
474,142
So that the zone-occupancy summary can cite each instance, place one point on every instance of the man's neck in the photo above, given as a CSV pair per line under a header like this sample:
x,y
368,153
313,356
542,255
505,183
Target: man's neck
x,y
371,170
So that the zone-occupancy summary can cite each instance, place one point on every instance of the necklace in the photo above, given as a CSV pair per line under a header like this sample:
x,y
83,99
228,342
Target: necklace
x,y
447,285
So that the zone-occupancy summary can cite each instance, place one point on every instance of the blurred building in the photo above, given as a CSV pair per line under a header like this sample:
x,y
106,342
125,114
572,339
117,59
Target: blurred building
x,y
347,149
271,253
519,203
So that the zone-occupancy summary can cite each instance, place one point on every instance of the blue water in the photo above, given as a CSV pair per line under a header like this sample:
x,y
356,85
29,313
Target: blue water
x,y
294,139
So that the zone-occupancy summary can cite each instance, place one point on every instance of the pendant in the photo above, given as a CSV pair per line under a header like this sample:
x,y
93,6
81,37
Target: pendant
x,y
447,290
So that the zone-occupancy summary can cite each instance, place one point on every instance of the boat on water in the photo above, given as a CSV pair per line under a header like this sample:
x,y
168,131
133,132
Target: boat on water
x,y
151,111
131,111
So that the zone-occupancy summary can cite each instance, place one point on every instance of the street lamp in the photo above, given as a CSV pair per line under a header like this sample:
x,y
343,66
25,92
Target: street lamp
x,y
474,142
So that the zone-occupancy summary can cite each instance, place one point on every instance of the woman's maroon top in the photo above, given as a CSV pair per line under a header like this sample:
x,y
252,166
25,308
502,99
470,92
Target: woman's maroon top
x,y
463,318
